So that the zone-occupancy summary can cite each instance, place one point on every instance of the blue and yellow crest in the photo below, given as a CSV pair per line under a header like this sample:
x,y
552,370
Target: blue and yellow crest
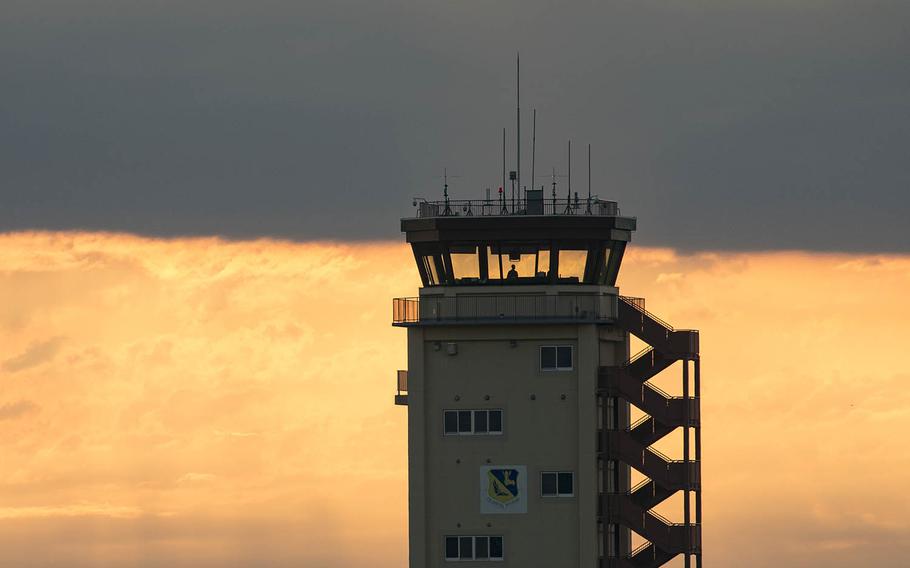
x,y
503,486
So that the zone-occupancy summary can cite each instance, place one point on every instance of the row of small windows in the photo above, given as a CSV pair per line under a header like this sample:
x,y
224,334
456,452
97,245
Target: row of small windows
x,y
474,548
468,422
556,358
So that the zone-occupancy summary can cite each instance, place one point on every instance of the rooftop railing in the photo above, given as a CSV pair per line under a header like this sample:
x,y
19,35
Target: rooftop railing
x,y
499,308
506,207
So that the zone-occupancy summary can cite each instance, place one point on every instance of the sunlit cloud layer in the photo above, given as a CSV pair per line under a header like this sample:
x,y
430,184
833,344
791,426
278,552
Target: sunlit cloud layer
x,y
209,403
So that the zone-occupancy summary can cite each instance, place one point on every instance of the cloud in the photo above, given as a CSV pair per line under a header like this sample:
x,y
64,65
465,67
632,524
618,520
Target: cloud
x,y
228,403
18,409
77,510
721,125
36,354
194,477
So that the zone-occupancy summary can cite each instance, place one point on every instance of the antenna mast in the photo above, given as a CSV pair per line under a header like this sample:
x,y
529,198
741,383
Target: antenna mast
x,y
554,191
445,190
589,179
518,121
569,188
502,188
533,147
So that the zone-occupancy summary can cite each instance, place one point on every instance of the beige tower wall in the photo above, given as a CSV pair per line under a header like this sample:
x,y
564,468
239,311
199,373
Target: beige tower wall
x,y
550,423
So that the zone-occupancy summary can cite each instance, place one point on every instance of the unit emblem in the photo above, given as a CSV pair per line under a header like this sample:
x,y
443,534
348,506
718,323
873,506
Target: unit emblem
x,y
503,489
503,486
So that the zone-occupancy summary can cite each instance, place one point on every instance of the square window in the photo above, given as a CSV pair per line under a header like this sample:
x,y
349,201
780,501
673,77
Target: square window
x,y
564,357
495,421
480,421
451,548
466,547
481,548
566,483
496,547
464,421
548,484
548,358
451,422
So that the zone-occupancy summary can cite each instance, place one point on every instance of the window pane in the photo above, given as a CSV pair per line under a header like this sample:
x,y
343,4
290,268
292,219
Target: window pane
x,y
564,357
528,260
464,421
451,422
466,544
465,261
572,264
493,265
430,268
548,484
606,262
480,421
496,547
547,357
481,547
451,547
566,483
496,421
543,263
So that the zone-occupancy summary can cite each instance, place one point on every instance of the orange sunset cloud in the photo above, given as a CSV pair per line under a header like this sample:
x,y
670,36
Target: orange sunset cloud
x,y
199,402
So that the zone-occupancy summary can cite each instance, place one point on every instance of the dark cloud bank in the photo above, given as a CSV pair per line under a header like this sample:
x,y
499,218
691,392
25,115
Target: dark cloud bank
x,y
720,124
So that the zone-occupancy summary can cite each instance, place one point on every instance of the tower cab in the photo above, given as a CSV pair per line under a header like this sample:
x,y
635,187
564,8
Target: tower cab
x,y
482,260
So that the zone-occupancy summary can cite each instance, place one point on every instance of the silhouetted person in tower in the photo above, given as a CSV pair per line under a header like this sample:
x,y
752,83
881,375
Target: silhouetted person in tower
x,y
513,274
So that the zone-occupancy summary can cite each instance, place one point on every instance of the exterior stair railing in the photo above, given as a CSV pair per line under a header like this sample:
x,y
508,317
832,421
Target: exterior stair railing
x,y
632,445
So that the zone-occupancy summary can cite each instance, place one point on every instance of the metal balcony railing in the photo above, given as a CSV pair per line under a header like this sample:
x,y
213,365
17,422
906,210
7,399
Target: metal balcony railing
x,y
500,207
499,308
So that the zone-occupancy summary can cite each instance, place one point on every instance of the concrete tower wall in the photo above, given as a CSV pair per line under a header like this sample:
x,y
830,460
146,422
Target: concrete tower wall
x,y
550,423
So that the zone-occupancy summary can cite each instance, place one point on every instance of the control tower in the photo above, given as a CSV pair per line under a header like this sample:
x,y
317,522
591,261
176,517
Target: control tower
x,y
520,387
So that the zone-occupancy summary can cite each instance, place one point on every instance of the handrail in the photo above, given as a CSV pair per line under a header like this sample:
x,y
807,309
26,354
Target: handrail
x,y
662,455
660,391
638,355
663,519
494,308
633,303
499,207
640,484
640,548
639,422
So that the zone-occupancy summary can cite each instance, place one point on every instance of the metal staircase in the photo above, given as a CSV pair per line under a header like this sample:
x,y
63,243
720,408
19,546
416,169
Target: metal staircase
x,y
632,445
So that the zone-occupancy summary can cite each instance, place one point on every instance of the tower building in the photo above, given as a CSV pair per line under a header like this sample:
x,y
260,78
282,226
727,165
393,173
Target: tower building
x,y
520,390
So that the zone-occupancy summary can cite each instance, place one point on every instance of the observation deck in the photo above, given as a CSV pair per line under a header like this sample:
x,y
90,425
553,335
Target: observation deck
x,y
502,261
532,204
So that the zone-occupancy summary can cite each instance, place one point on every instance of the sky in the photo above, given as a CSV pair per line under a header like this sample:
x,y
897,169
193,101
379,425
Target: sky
x,y
722,125
199,206
211,403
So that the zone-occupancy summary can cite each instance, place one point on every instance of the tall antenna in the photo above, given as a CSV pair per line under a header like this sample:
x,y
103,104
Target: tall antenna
x,y
502,187
518,119
554,191
589,179
445,190
533,147
569,188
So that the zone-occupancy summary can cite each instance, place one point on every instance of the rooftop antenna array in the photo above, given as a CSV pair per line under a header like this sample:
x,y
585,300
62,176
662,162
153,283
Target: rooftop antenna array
x,y
512,202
